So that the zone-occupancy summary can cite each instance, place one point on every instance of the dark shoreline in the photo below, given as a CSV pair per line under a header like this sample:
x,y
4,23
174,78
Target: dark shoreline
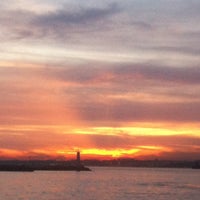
x,y
195,164
31,166
53,165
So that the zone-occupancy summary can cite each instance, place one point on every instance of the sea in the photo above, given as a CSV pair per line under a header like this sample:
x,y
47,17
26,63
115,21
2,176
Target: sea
x,y
102,183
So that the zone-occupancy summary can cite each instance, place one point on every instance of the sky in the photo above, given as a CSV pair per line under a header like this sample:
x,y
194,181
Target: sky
x,y
110,78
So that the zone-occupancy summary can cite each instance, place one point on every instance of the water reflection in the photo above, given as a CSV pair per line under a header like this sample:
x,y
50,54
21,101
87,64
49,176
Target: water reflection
x,y
101,184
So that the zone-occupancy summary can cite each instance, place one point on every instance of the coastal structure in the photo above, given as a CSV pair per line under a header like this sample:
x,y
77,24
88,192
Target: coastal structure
x,y
78,158
48,165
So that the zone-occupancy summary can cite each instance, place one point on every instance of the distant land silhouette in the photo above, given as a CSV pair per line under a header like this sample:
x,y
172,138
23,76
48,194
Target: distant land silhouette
x,y
48,165
77,165
144,163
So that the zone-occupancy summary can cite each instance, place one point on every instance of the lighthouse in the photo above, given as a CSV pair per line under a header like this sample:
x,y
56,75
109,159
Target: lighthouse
x,y
78,165
78,158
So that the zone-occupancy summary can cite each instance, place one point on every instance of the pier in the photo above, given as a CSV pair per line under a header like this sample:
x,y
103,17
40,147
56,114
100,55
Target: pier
x,y
48,165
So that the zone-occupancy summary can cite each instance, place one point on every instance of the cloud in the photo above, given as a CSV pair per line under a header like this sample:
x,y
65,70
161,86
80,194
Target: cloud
x,y
32,142
29,98
28,24
123,27
35,137
123,73
143,86
132,111
80,17
185,75
105,64
101,94
180,155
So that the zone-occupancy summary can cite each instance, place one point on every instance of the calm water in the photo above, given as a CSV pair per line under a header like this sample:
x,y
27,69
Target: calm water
x,y
102,184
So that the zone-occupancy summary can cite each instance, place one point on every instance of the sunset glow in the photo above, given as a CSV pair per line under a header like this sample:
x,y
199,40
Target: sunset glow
x,y
99,77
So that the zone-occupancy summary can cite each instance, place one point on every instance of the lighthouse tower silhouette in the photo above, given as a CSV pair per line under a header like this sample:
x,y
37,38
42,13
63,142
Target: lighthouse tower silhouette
x,y
78,158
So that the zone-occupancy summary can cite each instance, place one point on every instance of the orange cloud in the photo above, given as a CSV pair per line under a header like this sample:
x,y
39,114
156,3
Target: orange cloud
x,y
62,142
